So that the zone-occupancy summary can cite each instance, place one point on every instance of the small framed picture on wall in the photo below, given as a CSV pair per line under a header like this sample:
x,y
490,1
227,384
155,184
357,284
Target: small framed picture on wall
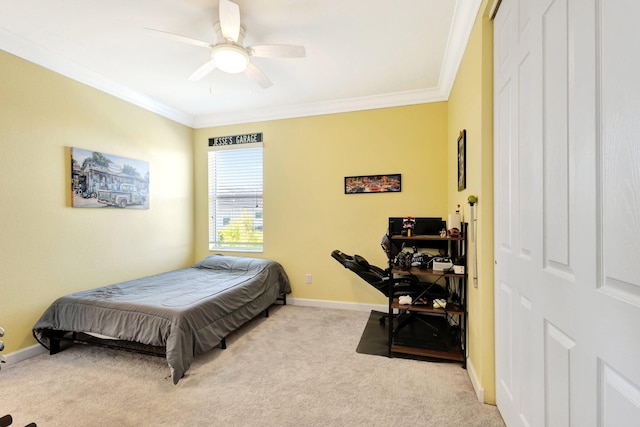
x,y
462,160
373,184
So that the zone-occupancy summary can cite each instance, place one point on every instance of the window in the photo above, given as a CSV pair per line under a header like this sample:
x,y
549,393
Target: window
x,y
235,198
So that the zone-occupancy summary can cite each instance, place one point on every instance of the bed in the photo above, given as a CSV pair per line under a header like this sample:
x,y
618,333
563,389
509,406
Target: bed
x,y
177,314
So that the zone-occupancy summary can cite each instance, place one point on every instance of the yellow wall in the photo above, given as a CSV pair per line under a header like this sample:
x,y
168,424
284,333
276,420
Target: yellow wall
x,y
307,214
471,108
47,248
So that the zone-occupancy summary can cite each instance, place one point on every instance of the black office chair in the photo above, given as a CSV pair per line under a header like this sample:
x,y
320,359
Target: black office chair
x,y
7,420
407,284
376,276
421,292
379,278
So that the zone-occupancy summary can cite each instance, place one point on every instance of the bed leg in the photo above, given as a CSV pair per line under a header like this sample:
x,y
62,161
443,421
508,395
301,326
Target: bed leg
x,y
54,345
54,341
266,312
223,343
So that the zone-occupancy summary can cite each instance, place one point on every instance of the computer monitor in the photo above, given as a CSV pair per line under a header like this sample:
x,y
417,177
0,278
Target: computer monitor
x,y
423,227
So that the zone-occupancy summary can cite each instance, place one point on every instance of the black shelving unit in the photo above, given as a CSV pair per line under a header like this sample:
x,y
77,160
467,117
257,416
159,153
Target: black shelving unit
x,y
451,321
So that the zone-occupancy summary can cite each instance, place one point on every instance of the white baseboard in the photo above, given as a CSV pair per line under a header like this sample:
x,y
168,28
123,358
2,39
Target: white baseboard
x,y
24,354
474,381
340,305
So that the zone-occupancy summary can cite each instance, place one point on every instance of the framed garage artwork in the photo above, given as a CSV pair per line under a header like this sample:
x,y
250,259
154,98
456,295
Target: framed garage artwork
x,y
100,180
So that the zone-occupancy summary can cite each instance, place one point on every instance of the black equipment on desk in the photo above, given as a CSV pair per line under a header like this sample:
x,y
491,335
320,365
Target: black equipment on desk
x,y
423,226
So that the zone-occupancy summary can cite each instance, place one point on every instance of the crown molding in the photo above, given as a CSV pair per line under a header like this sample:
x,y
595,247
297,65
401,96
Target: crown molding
x,y
321,108
464,16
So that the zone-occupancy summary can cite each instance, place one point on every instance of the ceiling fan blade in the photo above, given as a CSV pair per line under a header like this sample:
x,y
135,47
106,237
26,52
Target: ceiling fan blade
x,y
257,76
183,39
229,20
277,51
202,71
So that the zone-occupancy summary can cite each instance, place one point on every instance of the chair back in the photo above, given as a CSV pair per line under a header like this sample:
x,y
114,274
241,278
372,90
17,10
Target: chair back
x,y
375,276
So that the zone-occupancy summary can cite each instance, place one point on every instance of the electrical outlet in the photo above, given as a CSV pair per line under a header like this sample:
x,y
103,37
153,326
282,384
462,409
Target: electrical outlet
x,y
307,279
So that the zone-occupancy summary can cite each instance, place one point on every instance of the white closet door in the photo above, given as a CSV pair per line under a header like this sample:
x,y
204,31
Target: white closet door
x,y
567,212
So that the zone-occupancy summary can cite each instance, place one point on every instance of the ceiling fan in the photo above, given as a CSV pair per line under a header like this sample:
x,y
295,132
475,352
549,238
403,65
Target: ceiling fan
x,y
229,54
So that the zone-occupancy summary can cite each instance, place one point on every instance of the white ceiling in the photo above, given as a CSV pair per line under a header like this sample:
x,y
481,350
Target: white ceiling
x,y
361,54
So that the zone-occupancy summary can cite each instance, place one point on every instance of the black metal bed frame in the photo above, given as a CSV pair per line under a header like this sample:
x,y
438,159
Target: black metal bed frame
x,y
61,340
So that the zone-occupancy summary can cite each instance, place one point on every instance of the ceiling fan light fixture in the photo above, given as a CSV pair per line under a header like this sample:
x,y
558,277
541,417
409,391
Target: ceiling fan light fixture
x,y
230,58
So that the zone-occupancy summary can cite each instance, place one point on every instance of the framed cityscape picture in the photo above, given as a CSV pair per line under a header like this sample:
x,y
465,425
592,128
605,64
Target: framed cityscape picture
x,y
373,184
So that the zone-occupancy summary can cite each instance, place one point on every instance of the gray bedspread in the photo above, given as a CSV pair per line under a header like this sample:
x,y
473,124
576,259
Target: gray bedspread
x,y
188,311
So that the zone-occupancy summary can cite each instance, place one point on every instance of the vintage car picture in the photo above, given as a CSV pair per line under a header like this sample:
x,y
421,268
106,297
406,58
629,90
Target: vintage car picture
x,y
105,180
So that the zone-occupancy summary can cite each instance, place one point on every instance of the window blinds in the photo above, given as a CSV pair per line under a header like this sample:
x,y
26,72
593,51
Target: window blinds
x,y
235,198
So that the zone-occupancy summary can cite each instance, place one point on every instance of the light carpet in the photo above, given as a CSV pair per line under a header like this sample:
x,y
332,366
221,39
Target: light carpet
x,y
298,367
